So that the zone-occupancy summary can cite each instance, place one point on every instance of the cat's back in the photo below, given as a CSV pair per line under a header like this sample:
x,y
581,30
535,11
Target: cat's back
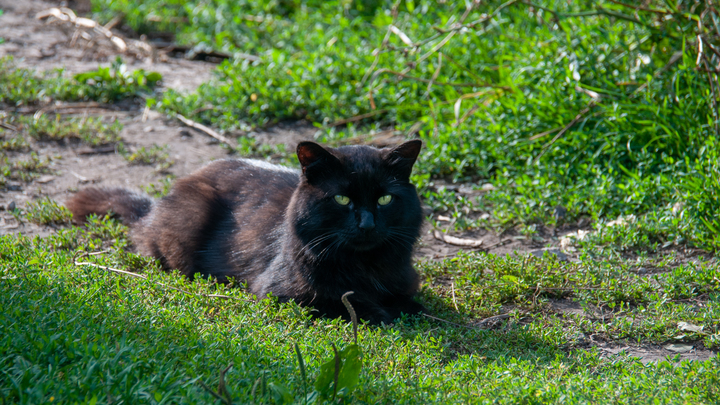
x,y
220,220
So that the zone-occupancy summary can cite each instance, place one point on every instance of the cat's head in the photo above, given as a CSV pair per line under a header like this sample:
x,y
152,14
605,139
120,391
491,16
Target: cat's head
x,y
356,197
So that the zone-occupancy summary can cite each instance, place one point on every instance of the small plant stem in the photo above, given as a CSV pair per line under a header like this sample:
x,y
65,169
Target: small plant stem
x,y
337,370
562,132
303,374
452,288
351,310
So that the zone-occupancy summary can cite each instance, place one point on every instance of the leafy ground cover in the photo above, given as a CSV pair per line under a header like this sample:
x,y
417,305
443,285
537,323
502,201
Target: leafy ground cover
x,y
77,330
550,113
25,86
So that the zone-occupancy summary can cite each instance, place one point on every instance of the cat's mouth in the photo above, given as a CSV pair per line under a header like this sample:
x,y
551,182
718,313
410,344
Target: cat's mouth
x,y
365,243
364,246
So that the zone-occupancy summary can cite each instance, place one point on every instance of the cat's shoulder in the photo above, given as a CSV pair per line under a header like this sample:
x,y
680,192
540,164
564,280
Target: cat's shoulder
x,y
263,165
234,173
244,165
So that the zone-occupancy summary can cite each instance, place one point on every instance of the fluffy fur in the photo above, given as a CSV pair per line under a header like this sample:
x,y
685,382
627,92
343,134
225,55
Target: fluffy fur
x,y
284,232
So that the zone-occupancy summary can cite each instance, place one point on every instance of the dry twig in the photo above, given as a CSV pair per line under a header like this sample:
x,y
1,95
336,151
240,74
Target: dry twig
x,y
452,289
113,270
676,57
577,118
384,43
420,79
8,126
203,128
357,118
222,393
494,318
351,310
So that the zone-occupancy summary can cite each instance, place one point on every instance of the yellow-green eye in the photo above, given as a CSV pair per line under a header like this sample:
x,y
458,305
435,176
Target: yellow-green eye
x,y
385,200
342,200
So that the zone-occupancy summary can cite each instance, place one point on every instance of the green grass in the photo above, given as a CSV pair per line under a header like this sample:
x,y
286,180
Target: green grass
x,y
646,150
75,332
23,169
161,188
92,131
14,142
47,211
26,87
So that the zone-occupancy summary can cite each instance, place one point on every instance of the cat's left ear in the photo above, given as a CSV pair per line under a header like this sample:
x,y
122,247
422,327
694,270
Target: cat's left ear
x,y
315,160
403,157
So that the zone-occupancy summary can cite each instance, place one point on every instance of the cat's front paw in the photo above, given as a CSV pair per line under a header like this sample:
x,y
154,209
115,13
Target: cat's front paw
x,y
405,305
374,314
414,308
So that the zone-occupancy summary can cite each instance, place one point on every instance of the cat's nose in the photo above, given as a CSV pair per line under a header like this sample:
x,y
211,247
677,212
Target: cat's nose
x,y
367,221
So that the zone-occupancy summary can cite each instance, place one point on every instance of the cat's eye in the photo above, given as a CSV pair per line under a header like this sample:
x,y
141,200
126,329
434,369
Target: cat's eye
x,y
342,200
385,200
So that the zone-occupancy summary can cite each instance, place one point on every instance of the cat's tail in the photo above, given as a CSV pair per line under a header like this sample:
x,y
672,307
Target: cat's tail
x,y
126,204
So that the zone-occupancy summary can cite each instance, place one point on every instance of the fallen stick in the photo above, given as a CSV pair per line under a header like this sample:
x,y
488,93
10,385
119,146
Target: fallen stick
x,y
448,322
502,242
452,288
93,151
203,128
8,126
110,269
492,319
357,118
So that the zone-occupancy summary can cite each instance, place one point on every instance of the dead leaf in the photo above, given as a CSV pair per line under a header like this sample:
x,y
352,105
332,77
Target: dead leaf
x,y
80,178
677,207
628,219
688,327
678,348
567,241
452,240
45,179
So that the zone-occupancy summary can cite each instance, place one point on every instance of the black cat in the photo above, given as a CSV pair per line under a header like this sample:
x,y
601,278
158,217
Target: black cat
x,y
347,222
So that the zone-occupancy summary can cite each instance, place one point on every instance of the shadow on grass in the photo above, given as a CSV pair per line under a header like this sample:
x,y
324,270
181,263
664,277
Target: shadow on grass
x,y
499,337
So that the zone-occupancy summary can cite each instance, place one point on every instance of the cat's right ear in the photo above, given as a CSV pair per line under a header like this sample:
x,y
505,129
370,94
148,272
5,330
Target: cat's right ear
x,y
314,158
403,157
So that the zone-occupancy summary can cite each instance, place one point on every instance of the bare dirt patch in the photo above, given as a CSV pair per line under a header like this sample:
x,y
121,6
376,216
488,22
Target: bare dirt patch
x,y
75,166
45,46
672,352
646,353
